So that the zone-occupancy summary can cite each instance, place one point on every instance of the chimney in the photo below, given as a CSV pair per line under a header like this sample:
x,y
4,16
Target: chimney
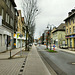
x,y
69,13
73,10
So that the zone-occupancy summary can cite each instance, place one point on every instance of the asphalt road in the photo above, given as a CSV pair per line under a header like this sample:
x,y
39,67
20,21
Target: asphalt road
x,y
61,61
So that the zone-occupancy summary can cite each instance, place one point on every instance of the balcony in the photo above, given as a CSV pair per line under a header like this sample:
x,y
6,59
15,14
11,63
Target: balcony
x,y
5,24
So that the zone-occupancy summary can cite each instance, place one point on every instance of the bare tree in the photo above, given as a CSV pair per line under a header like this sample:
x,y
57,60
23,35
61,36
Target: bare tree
x,y
30,11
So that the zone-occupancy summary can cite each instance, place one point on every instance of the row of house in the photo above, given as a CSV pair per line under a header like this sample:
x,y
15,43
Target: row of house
x,y
63,34
11,26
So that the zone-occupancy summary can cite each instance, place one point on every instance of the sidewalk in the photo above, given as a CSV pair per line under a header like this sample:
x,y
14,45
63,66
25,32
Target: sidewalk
x,y
6,55
34,64
66,50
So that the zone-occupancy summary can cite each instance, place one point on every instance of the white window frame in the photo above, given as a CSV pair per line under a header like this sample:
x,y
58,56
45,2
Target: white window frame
x,y
2,13
6,17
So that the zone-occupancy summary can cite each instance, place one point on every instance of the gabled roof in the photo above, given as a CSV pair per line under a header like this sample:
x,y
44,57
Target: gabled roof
x,y
60,28
70,16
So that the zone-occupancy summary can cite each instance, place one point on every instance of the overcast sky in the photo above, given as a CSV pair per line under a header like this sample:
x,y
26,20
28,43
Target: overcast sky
x,y
52,12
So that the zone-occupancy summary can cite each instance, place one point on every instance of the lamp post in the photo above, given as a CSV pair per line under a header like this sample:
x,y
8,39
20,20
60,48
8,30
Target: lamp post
x,y
50,33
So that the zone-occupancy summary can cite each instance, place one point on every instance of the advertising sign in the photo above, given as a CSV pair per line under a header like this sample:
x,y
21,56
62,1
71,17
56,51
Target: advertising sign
x,y
0,20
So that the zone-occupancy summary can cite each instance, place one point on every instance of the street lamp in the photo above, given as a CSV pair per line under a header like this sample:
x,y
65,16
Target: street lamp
x,y
50,33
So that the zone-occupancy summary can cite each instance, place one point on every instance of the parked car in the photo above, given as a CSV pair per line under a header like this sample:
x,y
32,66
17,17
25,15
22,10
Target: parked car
x,y
30,44
35,44
64,46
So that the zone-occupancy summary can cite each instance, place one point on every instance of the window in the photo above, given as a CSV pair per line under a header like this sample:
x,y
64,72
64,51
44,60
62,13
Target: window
x,y
3,39
2,13
11,22
64,27
73,20
70,21
70,30
9,3
12,8
74,29
6,17
67,31
67,23
70,42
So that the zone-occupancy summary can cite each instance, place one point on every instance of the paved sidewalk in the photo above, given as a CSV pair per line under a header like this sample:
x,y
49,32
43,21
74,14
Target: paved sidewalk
x,y
34,64
66,50
6,55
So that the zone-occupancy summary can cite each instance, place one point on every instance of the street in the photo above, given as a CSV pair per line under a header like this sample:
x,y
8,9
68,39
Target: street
x,y
62,62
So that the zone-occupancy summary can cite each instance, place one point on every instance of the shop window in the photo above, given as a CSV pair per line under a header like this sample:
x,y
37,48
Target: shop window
x,y
67,42
70,42
8,41
3,40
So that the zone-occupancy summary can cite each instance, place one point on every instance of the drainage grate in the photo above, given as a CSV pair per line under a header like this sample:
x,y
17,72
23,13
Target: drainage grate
x,y
22,67
23,63
21,70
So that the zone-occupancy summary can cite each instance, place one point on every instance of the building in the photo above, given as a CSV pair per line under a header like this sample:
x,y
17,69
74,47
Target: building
x,y
58,35
45,37
20,32
70,29
7,13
